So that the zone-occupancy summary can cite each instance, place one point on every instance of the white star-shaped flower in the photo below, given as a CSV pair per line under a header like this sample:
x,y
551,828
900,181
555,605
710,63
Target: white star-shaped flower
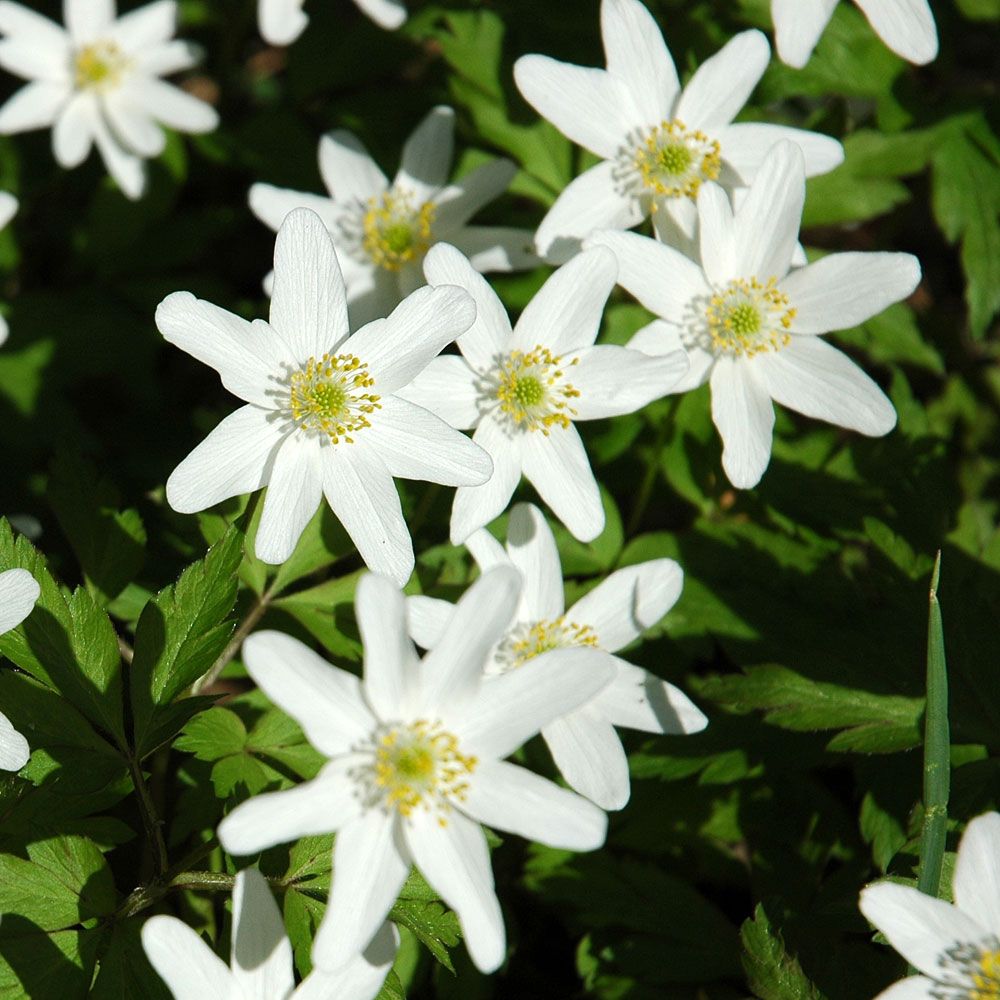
x,y
657,143
523,389
323,414
97,82
416,762
382,231
8,209
18,592
260,965
282,21
956,946
584,744
906,26
751,325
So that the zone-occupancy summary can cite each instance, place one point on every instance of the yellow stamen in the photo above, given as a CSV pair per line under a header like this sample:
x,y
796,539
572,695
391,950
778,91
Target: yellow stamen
x,y
395,232
99,66
327,396
531,639
532,390
748,317
673,162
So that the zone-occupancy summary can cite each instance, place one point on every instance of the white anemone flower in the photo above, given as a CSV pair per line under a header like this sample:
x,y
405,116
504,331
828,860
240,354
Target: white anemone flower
x,y
524,389
750,324
955,946
8,209
97,82
382,231
583,743
906,26
282,21
260,965
657,143
323,416
416,762
18,592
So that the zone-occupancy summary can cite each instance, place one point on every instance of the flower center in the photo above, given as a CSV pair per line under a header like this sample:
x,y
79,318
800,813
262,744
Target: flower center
x,y
328,396
420,765
672,161
99,66
396,232
532,390
977,968
748,317
531,639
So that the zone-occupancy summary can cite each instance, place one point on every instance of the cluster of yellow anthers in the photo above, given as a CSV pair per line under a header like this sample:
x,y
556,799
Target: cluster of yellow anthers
x,y
420,764
395,232
99,66
749,317
327,396
674,162
531,390
977,970
530,640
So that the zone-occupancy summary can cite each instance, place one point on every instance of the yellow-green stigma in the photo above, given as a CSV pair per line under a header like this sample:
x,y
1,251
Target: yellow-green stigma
x,y
531,639
673,162
99,66
969,972
328,396
532,390
986,978
748,317
395,232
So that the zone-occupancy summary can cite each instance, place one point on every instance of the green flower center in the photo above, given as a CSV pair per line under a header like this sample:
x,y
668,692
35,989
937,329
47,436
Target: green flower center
x,y
328,396
531,639
395,231
528,391
675,159
532,390
99,66
744,319
748,316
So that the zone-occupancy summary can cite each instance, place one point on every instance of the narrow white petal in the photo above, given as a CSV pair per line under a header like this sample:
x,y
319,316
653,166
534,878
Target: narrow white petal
x,y
128,171
388,14
455,861
34,62
427,153
815,379
976,883
459,201
636,699
261,954
447,387
797,27
271,204
191,970
235,458
348,172
36,105
744,416
175,107
281,21
132,126
73,131
326,701
531,547
294,492
427,618
360,978
496,248
8,208
906,26
88,20
18,592
14,749
146,26
614,380
4,330
911,988
30,28
168,58
747,144
590,756
476,506
716,234
488,552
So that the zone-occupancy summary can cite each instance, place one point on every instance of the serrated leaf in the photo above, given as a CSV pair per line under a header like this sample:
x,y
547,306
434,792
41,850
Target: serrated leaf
x,y
34,964
435,927
772,973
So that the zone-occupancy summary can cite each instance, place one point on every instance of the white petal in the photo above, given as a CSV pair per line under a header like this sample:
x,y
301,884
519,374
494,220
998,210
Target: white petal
x,y
906,26
128,171
638,56
132,126
168,57
35,62
638,700
557,466
191,970
531,547
235,458
815,379
488,552
146,26
911,988
18,592
797,27
565,313
88,20
593,201
716,234
31,28
8,208
271,204
4,330
918,926
348,172
746,144
370,864
14,749
476,506
454,859
294,492
447,387
590,756
744,416
614,380
589,106
496,248
325,701
362,494
281,21
308,299
427,154
723,84
261,956
845,289
460,200
360,978
73,131
175,107
629,601
976,883
427,618
36,105
389,14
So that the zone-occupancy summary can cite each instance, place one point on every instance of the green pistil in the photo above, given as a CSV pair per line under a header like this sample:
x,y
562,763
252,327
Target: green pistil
x,y
414,763
529,391
744,319
329,399
675,159
398,237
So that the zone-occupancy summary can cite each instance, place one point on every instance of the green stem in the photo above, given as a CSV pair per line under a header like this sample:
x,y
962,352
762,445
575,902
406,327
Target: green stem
x,y
150,821
649,480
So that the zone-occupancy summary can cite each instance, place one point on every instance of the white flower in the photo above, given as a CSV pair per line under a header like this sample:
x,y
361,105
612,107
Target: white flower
x,y
524,389
584,744
323,417
749,324
416,762
97,82
260,964
955,945
18,592
906,26
8,209
382,230
282,21
657,143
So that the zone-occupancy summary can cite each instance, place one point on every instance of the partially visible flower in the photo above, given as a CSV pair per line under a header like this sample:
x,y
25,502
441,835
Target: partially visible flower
x,y
18,592
657,143
956,946
584,744
282,21
8,209
416,762
750,324
524,389
382,231
260,964
97,82
323,414
906,26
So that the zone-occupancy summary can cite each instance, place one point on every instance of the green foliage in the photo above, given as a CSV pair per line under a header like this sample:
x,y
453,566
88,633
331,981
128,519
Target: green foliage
x,y
772,973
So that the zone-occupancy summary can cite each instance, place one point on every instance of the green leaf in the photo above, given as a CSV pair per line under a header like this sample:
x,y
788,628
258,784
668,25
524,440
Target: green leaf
x,y
771,972
392,988
434,926
327,611
322,543
33,964
124,972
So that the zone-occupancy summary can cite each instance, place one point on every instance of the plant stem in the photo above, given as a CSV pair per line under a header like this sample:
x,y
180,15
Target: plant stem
x,y
154,830
649,480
